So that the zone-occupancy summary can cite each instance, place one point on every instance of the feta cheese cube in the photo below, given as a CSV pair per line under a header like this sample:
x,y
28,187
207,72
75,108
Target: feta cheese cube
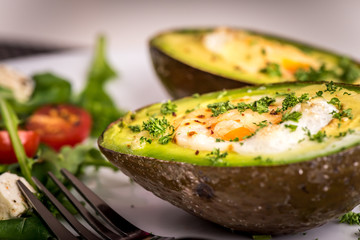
x,y
12,203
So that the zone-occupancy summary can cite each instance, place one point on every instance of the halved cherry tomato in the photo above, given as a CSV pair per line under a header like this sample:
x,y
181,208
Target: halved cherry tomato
x,y
29,139
60,125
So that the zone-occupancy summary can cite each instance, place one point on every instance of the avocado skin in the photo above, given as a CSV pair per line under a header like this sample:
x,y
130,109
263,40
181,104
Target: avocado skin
x,y
181,80
279,199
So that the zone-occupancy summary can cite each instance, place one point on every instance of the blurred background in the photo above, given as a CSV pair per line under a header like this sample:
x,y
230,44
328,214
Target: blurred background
x,y
45,25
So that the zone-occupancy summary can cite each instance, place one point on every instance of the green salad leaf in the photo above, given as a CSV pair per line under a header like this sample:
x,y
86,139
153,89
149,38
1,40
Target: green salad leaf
x,y
94,97
11,123
27,228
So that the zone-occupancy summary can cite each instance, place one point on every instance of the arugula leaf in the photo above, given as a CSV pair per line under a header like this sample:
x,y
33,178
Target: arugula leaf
x,y
94,97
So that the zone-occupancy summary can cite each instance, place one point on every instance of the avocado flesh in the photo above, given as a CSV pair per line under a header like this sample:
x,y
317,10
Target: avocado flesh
x,y
186,66
120,138
281,196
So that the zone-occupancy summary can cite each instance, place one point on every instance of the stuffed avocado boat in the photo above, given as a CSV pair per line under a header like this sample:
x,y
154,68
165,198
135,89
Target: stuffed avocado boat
x,y
272,159
191,61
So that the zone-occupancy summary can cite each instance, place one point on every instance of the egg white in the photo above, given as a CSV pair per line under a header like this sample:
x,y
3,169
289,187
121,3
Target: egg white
x,y
316,114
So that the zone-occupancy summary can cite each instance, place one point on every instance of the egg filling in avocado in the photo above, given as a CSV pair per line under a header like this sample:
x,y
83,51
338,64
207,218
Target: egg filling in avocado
x,y
252,54
189,61
272,124
265,133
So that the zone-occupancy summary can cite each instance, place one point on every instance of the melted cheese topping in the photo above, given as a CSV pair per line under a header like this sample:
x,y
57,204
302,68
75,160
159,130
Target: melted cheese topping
x,y
201,131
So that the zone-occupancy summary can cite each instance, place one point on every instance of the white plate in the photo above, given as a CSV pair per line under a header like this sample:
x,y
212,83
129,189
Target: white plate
x,y
138,86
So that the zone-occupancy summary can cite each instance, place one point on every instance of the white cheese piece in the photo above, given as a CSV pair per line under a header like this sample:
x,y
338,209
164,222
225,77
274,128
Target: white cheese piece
x,y
21,86
12,203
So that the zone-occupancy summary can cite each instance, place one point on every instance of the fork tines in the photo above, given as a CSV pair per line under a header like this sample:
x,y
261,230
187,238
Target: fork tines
x,y
115,227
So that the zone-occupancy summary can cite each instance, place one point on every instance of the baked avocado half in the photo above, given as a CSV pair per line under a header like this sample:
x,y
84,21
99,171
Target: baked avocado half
x,y
272,159
191,61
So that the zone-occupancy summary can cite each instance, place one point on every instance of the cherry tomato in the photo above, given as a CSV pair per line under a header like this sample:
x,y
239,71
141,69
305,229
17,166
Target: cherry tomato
x,y
29,139
60,125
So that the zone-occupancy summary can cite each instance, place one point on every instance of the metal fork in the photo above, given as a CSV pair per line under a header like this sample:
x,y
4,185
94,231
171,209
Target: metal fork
x,y
115,227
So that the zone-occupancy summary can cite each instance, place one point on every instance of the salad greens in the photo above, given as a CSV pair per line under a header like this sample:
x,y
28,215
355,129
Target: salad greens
x,y
11,122
52,89
27,228
94,97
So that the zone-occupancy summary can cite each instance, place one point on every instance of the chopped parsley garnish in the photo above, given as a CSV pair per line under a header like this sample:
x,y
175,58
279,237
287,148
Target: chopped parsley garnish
x,y
350,71
263,51
336,102
331,87
262,124
219,140
144,139
319,93
168,108
303,98
343,134
235,140
242,106
344,113
346,93
189,110
135,128
262,105
272,69
313,75
217,158
165,139
220,108
293,116
318,137
289,101
156,127
350,218
291,127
